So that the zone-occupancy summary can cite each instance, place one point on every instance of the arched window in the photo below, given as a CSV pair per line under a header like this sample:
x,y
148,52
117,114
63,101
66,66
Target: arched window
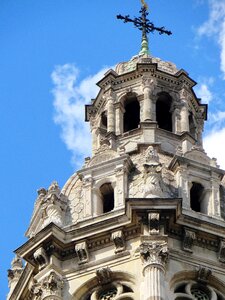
x,y
104,120
163,112
107,195
194,290
131,117
196,196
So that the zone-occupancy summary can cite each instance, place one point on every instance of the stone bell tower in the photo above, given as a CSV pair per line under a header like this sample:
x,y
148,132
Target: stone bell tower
x,y
144,219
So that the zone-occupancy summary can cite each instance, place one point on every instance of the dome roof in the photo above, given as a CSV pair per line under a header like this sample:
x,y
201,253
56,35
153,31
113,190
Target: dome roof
x,y
129,66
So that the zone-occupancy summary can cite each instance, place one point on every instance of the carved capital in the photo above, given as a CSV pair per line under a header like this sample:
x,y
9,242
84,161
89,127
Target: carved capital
x,y
82,252
189,237
118,239
147,82
221,253
154,253
41,258
104,275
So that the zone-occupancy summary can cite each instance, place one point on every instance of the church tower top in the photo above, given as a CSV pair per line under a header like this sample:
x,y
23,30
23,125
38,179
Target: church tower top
x,y
145,25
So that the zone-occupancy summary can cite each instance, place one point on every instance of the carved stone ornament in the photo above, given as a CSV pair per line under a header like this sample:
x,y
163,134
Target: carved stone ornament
x,y
221,253
189,237
104,275
154,253
147,81
153,221
41,258
48,288
152,174
118,239
16,270
82,252
203,274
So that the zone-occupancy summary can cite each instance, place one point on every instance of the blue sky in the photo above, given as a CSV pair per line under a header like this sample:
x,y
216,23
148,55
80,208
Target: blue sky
x,y
52,52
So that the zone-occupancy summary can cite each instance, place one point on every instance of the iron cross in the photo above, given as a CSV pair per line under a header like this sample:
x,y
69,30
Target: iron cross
x,y
143,24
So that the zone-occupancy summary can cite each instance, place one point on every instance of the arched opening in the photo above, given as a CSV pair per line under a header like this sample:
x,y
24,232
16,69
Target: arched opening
x,y
107,194
131,117
192,126
196,195
163,112
104,120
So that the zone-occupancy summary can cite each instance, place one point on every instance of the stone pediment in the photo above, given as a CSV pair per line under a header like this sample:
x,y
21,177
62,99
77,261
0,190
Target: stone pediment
x,y
198,155
103,156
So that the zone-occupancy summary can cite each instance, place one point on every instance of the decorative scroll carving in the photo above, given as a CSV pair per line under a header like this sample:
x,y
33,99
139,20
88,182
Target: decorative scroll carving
x,y
82,252
189,237
41,258
118,240
104,275
154,252
221,254
203,274
153,220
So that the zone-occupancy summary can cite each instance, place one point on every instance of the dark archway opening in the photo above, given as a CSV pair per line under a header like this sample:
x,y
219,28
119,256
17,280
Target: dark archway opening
x,y
104,120
163,113
107,193
196,193
131,118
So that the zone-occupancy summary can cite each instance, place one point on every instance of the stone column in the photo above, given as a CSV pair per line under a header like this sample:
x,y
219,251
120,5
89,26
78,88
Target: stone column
x,y
184,114
215,196
119,111
154,254
148,105
110,113
176,118
121,178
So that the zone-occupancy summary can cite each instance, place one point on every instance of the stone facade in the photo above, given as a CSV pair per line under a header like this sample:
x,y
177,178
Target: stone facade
x,y
144,218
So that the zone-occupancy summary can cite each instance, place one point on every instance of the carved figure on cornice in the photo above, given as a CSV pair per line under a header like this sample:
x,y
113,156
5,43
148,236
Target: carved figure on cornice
x,y
152,174
53,206
154,252
104,275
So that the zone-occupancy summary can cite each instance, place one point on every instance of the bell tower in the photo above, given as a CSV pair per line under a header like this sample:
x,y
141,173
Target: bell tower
x,y
144,218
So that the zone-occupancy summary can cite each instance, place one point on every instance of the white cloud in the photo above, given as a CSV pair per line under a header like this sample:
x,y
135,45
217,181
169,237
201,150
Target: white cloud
x,y
70,96
215,26
204,93
214,145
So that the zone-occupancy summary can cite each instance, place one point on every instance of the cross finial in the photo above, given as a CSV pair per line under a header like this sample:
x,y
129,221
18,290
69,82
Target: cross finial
x,y
145,25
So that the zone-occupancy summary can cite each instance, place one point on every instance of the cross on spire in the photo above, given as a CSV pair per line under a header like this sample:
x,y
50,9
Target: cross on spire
x,y
145,25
